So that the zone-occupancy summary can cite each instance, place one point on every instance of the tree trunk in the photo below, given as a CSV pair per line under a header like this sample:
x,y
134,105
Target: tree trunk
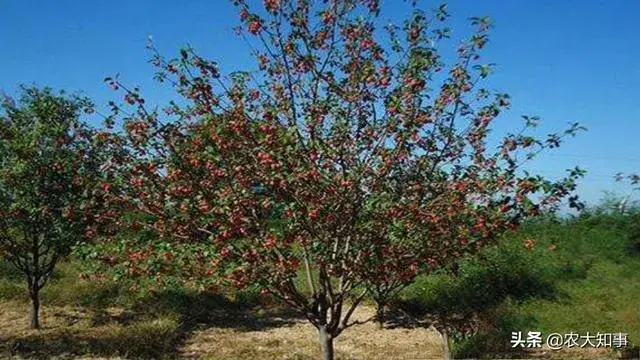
x,y
35,309
446,345
380,315
326,343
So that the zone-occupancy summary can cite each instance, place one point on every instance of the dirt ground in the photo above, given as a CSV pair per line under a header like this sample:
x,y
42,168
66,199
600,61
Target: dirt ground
x,y
298,341
68,332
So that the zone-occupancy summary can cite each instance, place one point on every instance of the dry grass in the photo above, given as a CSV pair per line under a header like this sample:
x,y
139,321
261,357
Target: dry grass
x,y
78,333
82,334
298,341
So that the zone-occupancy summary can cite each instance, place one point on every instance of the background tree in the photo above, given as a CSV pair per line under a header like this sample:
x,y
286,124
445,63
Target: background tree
x,y
46,170
623,203
634,179
355,161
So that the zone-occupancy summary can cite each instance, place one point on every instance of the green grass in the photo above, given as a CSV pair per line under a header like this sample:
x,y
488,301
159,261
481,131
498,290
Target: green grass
x,y
605,297
583,275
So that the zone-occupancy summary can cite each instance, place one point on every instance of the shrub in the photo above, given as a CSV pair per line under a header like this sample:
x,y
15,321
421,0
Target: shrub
x,y
472,305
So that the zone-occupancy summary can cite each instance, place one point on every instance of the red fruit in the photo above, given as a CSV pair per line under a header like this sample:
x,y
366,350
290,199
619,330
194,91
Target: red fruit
x,y
204,206
327,17
106,187
266,128
414,34
272,5
137,182
255,27
89,233
314,214
224,251
529,243
367,43
415,84
271,242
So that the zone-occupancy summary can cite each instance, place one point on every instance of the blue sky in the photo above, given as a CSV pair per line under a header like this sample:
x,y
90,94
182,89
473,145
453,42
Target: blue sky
x,y
562,60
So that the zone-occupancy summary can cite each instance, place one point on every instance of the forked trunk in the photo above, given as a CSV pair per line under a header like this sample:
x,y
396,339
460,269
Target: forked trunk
x,y
326,343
